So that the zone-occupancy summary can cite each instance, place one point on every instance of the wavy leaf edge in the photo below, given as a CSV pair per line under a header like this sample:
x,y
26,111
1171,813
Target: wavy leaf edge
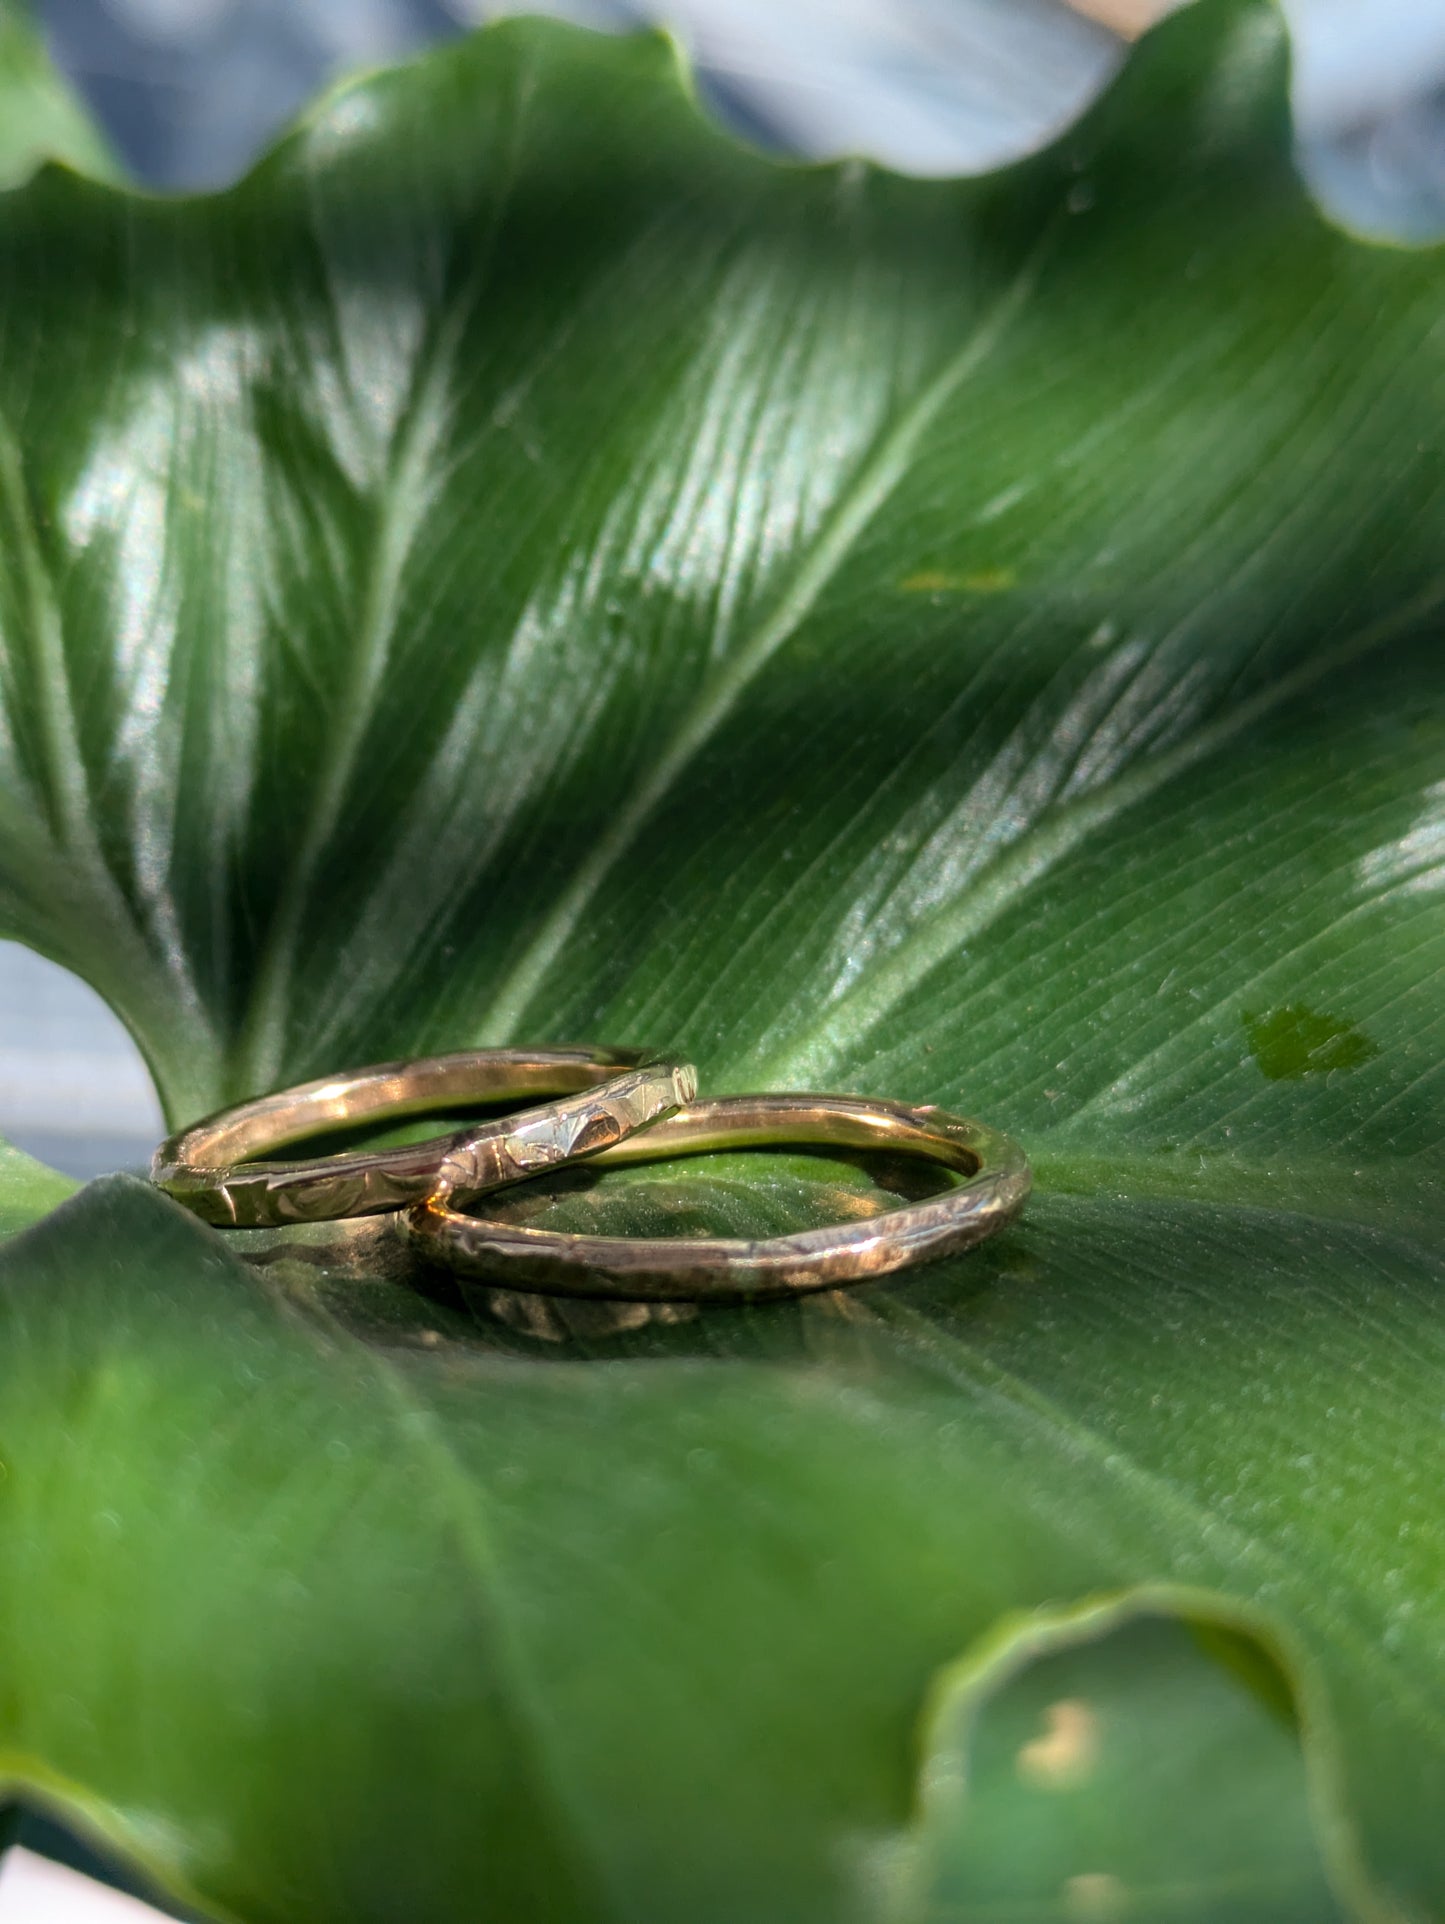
x,y
960,1692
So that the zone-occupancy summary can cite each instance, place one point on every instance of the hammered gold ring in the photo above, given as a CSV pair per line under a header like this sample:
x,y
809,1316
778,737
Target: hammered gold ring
x,y
606,1095
549,1262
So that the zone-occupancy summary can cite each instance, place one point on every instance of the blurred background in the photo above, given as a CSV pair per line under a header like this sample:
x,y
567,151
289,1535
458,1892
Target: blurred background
x,y
191,90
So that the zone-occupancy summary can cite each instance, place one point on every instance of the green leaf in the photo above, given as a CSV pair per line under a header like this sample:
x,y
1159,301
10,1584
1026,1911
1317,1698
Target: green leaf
x,y
407,1626
1064,1774
40,118
521,566
28,1190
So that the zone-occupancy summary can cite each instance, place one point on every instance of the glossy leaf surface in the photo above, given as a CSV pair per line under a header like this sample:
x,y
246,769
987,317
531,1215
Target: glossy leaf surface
x,y
520,566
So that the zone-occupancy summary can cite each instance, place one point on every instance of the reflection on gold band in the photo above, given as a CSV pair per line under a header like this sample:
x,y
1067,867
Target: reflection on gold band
x,y
605,1094
995,1169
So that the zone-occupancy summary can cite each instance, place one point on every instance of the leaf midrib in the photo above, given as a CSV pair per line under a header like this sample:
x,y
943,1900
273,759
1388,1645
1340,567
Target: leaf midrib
x,y
999,886
418,1431
878,477
262,1044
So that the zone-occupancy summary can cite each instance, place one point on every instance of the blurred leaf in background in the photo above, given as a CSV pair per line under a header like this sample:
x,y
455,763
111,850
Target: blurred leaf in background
x,y
41,117
191,89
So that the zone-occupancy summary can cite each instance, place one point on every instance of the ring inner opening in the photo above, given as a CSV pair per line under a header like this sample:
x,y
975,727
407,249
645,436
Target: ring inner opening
x,y
751,1193
383,1120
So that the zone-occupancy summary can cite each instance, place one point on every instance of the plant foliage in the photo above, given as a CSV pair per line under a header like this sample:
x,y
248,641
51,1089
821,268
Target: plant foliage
x,y
521,566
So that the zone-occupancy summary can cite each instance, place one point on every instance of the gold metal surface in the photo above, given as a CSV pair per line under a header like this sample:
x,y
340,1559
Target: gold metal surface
x,y
606,1094
726,1268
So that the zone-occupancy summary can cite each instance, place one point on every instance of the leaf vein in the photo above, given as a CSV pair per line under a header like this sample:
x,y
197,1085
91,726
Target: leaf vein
x,y
720,693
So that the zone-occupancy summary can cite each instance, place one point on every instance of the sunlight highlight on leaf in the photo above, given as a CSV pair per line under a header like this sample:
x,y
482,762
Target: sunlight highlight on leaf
x,y
520,566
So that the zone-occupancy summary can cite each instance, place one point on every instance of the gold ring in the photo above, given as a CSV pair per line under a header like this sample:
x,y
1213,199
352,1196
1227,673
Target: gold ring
x,y
208,1168
723,1268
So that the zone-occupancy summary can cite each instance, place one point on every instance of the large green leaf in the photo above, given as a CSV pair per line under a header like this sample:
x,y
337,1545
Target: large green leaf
x,y
520,566
396,1628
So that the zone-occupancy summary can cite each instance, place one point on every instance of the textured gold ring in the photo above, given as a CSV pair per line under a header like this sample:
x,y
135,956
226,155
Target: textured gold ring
x,y
607,1093
995,1169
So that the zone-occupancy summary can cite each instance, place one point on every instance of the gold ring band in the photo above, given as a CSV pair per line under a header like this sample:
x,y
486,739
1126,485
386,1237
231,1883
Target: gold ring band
x,y
724,1268
607,1093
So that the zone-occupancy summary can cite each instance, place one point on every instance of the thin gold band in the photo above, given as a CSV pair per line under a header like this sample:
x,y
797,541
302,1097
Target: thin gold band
x,y
724,1268
607,1093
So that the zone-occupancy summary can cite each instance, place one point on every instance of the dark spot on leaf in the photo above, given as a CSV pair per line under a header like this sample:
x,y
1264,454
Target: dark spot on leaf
x,y
1293,1041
